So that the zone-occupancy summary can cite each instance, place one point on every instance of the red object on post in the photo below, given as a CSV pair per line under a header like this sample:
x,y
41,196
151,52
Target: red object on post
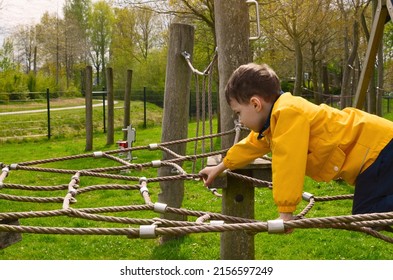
x,y
122,144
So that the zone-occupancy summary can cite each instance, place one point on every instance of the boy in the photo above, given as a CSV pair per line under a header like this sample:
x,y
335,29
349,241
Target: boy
x,y
305,139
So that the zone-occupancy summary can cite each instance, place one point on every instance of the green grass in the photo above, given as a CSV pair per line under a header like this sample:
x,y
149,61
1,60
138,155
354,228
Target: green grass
x,y
67,123
302,244
96,247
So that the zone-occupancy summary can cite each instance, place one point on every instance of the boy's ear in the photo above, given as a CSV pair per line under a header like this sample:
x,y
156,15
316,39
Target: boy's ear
x,y
256,102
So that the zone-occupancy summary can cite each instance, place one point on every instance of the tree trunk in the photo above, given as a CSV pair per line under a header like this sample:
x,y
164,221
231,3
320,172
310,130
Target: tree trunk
x,y
380,85
299,69
314,77
325,80
346,81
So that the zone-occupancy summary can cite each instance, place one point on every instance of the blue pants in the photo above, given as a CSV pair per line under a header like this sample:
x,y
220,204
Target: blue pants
x,y
374,186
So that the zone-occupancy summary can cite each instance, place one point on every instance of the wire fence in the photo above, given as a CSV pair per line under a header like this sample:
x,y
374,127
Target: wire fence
x,y
62,114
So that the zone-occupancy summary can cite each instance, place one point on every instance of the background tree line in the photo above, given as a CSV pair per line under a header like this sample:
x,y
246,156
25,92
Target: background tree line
x,y
53,53
315,46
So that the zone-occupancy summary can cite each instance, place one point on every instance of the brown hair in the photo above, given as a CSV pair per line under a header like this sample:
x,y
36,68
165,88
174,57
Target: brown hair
x,y
252,79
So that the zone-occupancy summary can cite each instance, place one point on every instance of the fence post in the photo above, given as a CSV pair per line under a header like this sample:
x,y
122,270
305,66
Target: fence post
x,y
144,108
104,108
127,105
48,111
89,108
111,112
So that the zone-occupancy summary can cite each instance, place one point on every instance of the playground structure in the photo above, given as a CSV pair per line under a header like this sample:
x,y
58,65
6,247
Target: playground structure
x,y
236,222
152,228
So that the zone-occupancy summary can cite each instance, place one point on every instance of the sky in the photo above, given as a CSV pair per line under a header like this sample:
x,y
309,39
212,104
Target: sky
x,y
16,12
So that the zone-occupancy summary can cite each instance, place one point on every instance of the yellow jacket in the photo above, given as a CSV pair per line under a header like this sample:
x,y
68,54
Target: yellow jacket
x,y
318,141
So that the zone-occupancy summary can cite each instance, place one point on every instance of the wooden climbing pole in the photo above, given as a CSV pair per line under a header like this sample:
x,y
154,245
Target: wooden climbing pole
x,y
176,109
232,32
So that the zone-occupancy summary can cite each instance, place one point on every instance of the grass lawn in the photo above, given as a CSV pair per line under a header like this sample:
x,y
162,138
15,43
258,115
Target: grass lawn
x,y
302,244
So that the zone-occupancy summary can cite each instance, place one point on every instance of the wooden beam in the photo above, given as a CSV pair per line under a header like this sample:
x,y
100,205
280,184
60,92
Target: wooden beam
x,y
381,15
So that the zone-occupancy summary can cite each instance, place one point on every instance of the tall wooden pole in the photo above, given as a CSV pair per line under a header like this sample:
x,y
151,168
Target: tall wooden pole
x,y
127,103
89,108
232,32
176,111
111,110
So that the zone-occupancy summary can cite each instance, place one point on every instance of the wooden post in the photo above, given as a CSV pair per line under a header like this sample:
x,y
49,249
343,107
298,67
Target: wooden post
x,y
176,110
375,40
127,103
111,112
89,108
48,111
9,238
232,32
238,199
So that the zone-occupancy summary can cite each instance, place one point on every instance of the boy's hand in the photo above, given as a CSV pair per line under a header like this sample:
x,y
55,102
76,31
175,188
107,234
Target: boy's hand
x,y
211,172
286,217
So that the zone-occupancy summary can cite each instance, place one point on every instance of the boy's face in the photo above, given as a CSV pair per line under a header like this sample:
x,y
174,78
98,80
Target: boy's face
x,y
252,114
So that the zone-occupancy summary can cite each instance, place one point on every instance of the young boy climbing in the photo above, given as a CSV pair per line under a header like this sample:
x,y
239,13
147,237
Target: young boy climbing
x,y
321,142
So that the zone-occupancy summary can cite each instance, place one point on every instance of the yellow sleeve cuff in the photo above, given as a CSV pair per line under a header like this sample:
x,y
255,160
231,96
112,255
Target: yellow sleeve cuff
x,y
287,209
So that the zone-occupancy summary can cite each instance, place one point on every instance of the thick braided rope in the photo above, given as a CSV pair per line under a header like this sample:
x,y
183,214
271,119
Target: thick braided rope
x,y
363,223
256,182
256,227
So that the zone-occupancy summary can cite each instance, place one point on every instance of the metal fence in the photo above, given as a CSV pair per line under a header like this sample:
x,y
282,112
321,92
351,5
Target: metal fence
x,y
61,114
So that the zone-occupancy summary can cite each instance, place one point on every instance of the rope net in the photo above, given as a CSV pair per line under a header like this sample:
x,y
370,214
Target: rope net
x,y
134,227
